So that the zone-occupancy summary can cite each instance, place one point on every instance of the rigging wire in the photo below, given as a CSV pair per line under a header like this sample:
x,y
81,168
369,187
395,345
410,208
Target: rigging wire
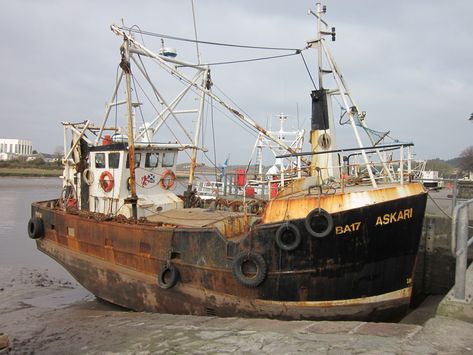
x,y
204,154
162,35
141,111
213,133
158,97
247,60
157,111
231,101
116,97
245,126
250,129
308,71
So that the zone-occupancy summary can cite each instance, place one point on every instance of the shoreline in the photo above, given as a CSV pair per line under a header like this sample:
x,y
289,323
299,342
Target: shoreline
x,y
30,172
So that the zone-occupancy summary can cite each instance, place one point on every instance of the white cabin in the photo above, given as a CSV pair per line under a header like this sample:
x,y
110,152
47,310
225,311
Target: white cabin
x,y
106,182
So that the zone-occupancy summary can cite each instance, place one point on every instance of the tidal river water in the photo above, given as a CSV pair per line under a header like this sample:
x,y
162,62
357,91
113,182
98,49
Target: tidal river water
x,y
16,196
16,248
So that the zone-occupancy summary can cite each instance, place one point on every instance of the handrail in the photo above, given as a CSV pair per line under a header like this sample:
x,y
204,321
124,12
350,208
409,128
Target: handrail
x,y
460,244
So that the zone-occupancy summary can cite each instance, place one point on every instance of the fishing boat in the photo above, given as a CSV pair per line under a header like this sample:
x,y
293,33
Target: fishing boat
x,y
333,236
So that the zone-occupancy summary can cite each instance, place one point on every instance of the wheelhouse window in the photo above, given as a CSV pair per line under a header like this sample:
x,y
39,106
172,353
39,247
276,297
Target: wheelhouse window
x,y
100,160
168,159
152,160
113,160
137,160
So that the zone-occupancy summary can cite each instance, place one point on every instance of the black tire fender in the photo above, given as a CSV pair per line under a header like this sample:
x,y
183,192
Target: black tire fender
x,y
168,277
35,228
284,229
319,223
244,278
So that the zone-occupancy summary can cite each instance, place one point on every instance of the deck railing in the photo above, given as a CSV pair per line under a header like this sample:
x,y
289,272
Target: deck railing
x,y
389,162
347,168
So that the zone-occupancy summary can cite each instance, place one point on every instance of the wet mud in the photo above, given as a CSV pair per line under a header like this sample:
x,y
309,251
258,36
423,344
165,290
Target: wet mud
x,y
43,315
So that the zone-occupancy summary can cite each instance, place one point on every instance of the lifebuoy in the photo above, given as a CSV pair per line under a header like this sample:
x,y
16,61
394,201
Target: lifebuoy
x,y
88,176
288,237
319,223
168,277
167,179
249,269
106,184
35,228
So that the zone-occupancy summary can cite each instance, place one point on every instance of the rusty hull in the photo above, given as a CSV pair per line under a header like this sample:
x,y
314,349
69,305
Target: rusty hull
x,y
140,292
363,274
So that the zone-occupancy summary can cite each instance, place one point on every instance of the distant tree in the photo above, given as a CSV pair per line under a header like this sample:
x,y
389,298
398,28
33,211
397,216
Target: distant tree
x,y
439,165
38,162
35,152
466,162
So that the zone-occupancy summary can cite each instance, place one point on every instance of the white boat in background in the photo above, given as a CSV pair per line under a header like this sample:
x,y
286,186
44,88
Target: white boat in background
x,y
257,180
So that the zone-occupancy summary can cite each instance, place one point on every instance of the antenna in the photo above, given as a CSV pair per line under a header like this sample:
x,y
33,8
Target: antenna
x,y
195,32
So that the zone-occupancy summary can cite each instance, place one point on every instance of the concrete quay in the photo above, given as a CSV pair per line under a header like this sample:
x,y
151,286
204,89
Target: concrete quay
x,y
459,309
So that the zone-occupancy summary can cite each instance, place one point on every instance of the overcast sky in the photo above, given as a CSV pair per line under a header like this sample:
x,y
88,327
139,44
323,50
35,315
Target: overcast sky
x,y
408,64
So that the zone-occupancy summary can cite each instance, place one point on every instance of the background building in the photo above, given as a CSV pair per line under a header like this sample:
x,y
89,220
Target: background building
x,y
12,147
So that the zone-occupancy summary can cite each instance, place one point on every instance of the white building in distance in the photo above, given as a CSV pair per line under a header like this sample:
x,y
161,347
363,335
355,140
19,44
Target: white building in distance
x,y
11,147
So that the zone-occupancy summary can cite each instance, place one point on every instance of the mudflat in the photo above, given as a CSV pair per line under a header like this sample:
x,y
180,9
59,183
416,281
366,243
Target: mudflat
x,y
42,315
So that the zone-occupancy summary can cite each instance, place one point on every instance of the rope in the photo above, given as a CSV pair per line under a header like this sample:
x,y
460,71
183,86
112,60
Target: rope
x,y
438,206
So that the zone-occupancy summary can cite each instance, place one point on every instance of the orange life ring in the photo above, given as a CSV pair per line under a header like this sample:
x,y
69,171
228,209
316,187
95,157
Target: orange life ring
x,y
167,179
106,185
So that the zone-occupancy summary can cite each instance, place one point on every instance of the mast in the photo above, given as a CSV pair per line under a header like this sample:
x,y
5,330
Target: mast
x,y
321,103
188,193
125,65
321,122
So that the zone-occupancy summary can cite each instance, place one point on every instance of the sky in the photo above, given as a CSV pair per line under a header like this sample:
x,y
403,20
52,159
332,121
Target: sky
x,y
407,63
